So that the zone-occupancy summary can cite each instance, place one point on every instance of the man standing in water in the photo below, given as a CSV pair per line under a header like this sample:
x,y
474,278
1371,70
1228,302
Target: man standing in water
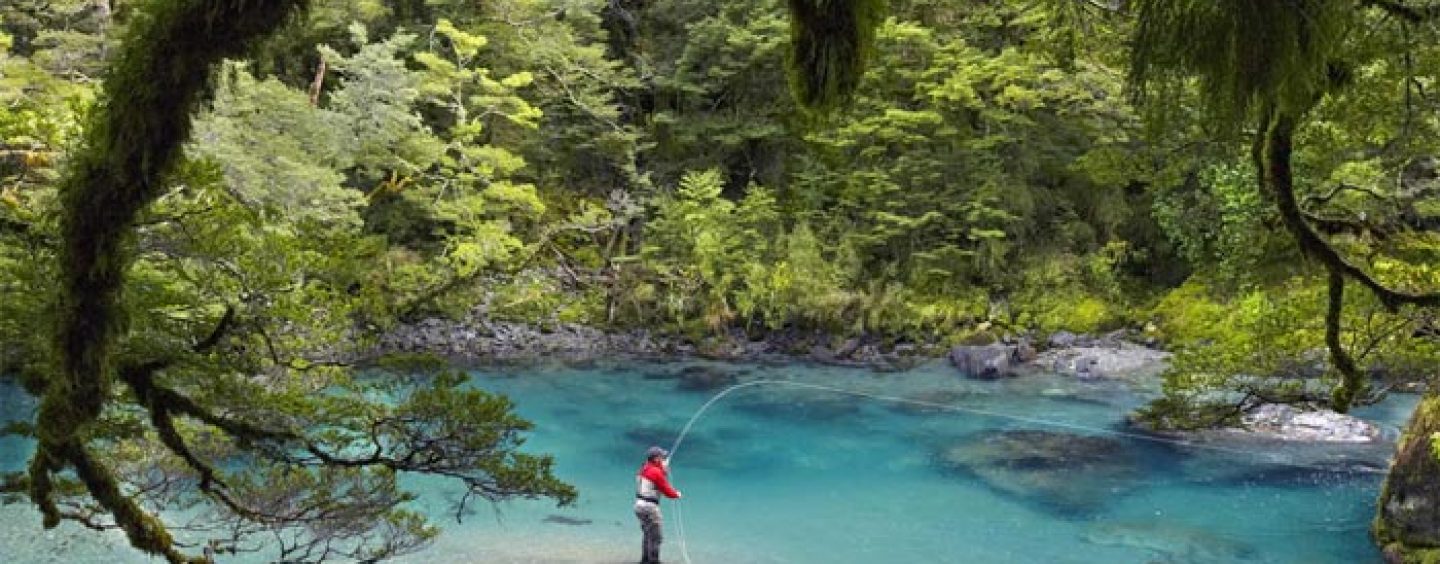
x,y
650,482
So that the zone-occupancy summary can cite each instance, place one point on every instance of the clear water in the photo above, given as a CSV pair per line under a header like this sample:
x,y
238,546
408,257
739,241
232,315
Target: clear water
x,y
777,474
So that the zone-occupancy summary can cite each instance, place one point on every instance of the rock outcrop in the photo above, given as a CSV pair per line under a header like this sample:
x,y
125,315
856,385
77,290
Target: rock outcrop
x,y
1407,526
1289,423
495,340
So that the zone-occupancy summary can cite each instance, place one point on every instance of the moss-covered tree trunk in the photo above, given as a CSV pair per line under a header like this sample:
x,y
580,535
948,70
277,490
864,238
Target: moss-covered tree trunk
x,y
1407,525
158,78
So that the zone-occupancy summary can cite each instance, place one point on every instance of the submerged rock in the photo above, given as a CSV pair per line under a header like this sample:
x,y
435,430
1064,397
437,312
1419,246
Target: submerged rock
x,y
1324,473
705,378
1168,542
932,401
803,407
1068,472
661,375
645,436
563,520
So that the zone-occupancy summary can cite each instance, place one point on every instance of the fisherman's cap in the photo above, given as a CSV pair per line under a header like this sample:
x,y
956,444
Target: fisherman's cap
x,y
655,451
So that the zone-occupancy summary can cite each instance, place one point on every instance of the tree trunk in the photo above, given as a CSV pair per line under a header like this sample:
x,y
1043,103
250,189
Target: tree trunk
x,y
1276,174
318,84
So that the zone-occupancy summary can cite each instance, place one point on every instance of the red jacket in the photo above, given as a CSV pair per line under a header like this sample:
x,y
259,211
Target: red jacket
x,y
655,473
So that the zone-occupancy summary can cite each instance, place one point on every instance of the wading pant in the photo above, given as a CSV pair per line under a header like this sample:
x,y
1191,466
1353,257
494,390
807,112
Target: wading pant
x,y
649,515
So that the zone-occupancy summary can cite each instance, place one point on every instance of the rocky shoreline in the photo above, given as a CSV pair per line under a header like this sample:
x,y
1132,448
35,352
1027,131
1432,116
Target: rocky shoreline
x,y
1118,355
475,340
478,340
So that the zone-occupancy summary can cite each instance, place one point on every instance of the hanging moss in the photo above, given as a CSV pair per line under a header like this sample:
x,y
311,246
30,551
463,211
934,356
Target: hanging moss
x,y
830,41
1242,52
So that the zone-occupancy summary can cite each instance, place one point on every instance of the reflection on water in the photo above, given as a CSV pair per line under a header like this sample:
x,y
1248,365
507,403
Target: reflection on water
x,y
779,474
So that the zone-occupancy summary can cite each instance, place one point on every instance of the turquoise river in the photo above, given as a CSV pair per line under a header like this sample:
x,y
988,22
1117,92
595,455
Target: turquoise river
x,y
1033,469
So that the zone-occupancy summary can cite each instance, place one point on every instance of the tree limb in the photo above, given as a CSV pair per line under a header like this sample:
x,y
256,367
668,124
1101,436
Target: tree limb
x,y
1278,178
1406,12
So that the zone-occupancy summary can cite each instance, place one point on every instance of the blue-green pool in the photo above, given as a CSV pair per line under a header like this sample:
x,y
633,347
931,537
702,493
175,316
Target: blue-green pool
x,y
780,474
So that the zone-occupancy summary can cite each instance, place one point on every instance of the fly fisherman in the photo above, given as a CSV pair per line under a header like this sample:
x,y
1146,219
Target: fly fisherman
x,y
650,482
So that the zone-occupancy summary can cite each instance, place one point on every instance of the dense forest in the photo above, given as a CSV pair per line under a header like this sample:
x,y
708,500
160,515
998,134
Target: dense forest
x,y
209,209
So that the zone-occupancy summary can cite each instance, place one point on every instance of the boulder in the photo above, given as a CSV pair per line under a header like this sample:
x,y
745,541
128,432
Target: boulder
x,y
1289,423
1120,361
987,362
1086,367
1408,524
848,349
1062,339
1025,352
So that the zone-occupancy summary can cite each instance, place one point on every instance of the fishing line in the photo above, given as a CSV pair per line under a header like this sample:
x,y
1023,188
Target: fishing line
x,y
1269,458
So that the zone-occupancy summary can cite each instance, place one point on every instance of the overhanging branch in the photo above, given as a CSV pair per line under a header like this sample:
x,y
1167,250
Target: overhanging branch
x,y
1278,176
1406,12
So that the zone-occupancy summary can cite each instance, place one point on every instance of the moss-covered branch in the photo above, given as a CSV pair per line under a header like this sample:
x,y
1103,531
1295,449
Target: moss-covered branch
x,y
1278,177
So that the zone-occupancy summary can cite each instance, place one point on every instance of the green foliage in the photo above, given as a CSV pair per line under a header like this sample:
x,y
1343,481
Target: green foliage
x,y
974,170
717,101
1219,219
1069,293
225,292
278,153
1267,345
643,164
703,245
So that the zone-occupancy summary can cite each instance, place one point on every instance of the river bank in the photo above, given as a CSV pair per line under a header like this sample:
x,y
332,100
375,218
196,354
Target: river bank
x,y
475,339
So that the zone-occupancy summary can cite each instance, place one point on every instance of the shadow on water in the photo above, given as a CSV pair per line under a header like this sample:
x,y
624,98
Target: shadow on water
x,y
1300,468
798,406
1068,475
